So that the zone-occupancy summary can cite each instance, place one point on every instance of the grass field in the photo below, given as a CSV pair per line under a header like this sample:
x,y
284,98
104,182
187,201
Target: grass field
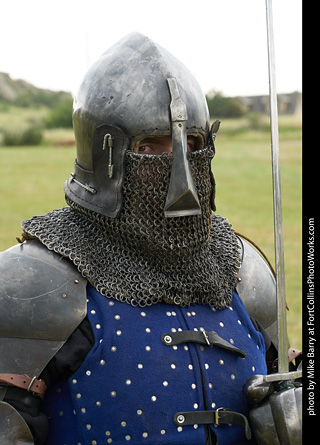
x,y
32,178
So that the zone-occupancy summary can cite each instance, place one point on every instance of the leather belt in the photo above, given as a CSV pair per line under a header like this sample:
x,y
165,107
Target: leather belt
x,y
219,417
201,337
31,384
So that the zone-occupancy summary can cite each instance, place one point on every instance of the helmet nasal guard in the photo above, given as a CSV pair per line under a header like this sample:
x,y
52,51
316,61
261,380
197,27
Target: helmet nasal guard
x,y
135,90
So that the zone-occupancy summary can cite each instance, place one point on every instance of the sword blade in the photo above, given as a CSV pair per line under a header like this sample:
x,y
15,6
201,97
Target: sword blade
x,y
277,204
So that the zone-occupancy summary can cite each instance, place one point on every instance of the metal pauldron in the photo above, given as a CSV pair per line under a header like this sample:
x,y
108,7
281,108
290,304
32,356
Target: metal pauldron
x,y
42,299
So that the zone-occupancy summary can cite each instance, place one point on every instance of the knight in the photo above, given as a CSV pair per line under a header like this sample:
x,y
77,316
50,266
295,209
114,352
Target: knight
x,y
135,313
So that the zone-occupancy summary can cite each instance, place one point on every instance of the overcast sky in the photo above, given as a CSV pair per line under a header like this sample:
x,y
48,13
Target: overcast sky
x,y
223,42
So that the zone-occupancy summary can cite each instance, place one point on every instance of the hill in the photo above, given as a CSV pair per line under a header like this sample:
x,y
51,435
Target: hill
x,y
24,94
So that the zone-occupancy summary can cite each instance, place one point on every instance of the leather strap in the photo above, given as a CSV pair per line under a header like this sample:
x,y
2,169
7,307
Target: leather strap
x,y
31,384
201,337
219,417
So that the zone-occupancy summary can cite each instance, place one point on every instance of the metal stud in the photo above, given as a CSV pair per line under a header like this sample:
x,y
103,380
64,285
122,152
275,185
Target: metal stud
x,y
167,339
180,418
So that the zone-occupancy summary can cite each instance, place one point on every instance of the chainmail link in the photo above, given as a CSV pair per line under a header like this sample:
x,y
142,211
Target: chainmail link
x,y
141,257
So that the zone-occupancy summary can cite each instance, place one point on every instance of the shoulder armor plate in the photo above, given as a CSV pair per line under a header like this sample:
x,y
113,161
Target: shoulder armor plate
x,y
257,287
42,301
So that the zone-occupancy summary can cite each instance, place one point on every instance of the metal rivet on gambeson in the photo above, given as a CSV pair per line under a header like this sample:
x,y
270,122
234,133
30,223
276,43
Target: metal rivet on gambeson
x,y
193,386
185,348
128,438
258,347
119,332
195,426
167,339
113,393
123,424
148,348
140,365
113,348
231,341
154,398
165,383
173,330
189,314
144,434
231,308
179,429
143,314
102,362
98,403
169,314
173,366
173,313
93,311
206,366
139,412
249,335
210,385
98,326
163,432
74,381
221,324
221,362
88,426
117,317
78,396
253,368
109,440
195,329
193,313
190,367
239,322
94,442
175,347
128,382
233,376
83,410
60,413
148,330
213,405
107,433
195,405
180,418
88,372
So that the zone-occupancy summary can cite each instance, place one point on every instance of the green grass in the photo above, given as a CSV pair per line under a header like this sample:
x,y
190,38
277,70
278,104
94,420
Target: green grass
x,y
32,178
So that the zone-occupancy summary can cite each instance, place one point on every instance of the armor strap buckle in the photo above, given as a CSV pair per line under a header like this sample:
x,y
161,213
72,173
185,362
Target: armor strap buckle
x,y
30,384
221,416
202,337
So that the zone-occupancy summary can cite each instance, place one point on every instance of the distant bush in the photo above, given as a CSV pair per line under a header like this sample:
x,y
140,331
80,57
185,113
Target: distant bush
x,y
30,136
61,115
221,106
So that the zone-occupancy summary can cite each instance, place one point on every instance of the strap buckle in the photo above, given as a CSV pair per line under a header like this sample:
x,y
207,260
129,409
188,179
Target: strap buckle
x,y
216,416
206,338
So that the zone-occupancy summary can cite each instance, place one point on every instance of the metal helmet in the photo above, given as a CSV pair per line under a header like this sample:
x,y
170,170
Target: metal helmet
x,y
134,90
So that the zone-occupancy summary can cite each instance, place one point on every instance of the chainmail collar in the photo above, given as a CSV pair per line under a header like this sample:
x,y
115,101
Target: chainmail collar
x,y
140,257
